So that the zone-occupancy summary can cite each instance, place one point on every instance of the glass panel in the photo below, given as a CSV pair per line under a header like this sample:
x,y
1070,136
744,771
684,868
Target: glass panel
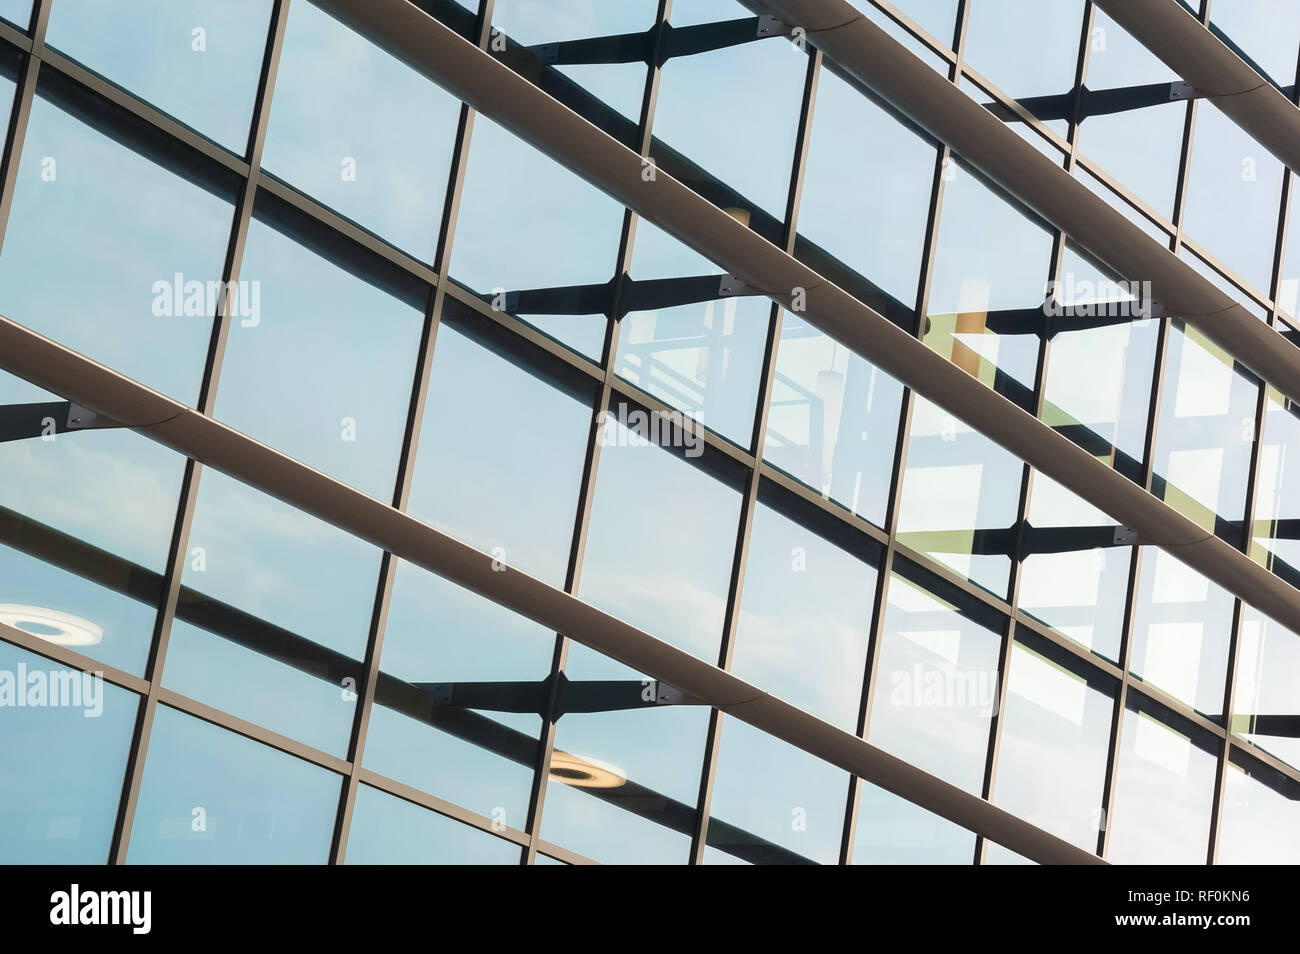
x,y
442,645
662,536
936,682
1261,816
960,499
1181,625
88,225
303,375
708,103
1264,35
943,19
988,289
1139,147
199,60
774,803
1266,706
1289,280
833,422
387,830
285,601
543,27
938,17
17,12
1097,389
70,732
1274,539
86,520
498,409
705,358
212,797
372,140
1233,191
1164,792
866,199
526,222
893,831
1075,572
1230,288
624,783
1055,736
1205,433
805,610
1025,50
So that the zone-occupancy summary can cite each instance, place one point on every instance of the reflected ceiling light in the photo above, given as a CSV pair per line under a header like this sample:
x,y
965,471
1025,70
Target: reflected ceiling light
x,y
582,772
54,626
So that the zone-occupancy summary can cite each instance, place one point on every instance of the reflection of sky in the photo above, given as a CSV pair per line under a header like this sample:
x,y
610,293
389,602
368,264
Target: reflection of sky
x,y
147,46
500,457
1025,49
892,830
82,252
387,830
805,616
18,12
339,97
260,806
61,805
327,347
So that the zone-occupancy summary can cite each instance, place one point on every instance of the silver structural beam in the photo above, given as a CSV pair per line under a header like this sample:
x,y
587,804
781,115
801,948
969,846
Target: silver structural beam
x,y
874,58
1169,31
62,371
499,93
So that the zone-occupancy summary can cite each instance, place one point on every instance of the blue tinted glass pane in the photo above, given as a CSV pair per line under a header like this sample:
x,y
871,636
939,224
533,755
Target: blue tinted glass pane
x,y
1055,734
70,732
212,797
387,830
492,415
774,803
894,831
1025,49
708,101
958,483
88,226
372,140
561,232
833,420
86,519
704,359
1138,147
440,635
17,12
303,375
805,617
1263,34
938,17
1233,189
866,197
1181,625
198,60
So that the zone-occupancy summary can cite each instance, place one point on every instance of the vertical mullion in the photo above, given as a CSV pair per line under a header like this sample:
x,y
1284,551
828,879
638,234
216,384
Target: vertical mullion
x,y
591,463
406,463
699,837
193,470
24,96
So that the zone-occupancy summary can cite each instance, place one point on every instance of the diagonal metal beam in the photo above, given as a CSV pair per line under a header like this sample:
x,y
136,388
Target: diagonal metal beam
x,y
1169,31
62,371
531,114
875,59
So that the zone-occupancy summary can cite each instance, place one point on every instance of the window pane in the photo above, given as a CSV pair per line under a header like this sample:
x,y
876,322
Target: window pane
x,y
303,374
1264,35
774,803
1181,624
866,198
372,140
1055,735
1261,820
212,797
86,226
938,17
1266,706
936,678
1025,50
805,611
894,831
387,830
526,222
1164,791
833,422
17,12
198,60
70,732
960,499
1274,541
439,643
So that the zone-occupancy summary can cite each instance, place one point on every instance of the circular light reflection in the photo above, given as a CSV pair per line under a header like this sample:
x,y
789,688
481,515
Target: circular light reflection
x,y
54,626
582,772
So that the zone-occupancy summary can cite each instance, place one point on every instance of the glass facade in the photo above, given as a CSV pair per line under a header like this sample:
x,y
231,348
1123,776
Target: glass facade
x,y
263,214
